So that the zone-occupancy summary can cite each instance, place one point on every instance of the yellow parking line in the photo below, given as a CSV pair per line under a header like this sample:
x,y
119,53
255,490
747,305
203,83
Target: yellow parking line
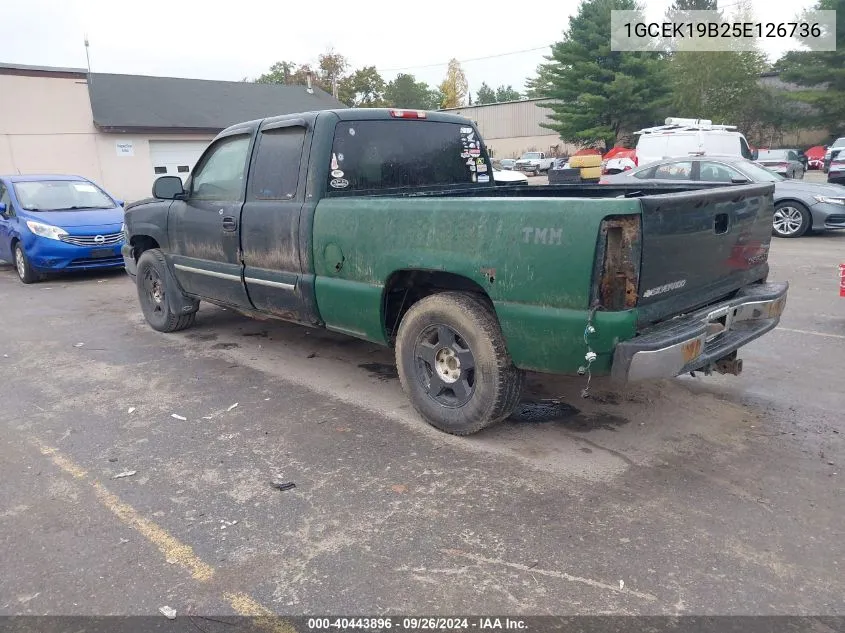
x,y
168,545
172,548
245,605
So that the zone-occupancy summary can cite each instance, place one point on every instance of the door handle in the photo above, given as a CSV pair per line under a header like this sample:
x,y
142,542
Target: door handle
x,y
229,223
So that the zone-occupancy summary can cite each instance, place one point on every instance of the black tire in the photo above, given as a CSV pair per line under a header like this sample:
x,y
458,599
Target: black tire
x,y
483,389
791,219
153,285
23,266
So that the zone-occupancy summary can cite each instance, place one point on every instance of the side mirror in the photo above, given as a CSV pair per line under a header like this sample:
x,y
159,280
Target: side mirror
x,y
755,154
168,188
740,181
119,203
2,208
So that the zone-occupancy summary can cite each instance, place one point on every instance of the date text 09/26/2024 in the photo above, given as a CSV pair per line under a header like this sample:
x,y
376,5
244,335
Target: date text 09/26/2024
x,y
335,624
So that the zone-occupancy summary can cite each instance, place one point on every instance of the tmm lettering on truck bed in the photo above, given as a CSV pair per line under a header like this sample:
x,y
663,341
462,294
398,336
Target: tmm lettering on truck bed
x,y
542,236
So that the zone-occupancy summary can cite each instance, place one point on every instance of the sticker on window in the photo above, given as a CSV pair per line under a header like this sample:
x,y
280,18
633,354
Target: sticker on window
x,y
466,130
336,173
339,183
84,187
484,178
481,168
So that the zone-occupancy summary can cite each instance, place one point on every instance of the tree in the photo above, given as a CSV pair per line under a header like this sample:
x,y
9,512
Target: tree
x,y
485,95
507,93
454,88
541,85
599,94
364,88
279,73
719,85
682,6
331,69
821,75
406,92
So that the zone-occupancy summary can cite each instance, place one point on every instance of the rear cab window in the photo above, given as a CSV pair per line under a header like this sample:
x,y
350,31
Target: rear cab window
x,y
378,156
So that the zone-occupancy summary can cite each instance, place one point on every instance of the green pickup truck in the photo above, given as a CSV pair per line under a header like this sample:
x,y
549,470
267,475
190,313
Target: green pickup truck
x,y
387,225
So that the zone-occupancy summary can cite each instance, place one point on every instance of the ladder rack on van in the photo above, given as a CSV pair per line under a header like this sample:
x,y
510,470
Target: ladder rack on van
x,y
683,125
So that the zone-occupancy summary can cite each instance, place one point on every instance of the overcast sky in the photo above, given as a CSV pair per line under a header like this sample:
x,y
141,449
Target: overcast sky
x,y
211,39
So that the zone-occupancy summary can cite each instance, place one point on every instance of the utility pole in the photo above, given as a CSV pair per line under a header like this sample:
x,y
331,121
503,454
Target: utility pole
x,y
88,59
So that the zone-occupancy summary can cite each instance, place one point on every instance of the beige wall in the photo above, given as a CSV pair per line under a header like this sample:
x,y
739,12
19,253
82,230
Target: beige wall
x,y
512,128
515,147
46,126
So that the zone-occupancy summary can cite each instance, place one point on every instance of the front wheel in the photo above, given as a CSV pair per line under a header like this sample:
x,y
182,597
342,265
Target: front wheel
x,y
153,288
791,219
24,268
454,365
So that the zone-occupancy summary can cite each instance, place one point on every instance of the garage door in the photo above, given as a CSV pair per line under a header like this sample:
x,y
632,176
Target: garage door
x,y
175,158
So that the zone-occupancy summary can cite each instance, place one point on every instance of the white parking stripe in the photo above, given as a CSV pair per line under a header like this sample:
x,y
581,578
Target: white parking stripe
x,y
825,334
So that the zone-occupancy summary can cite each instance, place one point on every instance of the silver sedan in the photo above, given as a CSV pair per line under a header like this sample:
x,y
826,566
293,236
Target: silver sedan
x,y
785,162
799,206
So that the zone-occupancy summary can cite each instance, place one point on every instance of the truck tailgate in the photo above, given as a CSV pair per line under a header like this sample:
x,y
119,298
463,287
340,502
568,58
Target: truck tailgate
x,y
700,246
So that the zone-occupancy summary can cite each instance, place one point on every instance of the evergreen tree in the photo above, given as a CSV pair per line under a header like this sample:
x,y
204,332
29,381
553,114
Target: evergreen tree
x,y
599,94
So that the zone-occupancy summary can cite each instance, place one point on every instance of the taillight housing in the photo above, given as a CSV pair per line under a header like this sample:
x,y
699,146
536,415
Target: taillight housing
x,y
617,271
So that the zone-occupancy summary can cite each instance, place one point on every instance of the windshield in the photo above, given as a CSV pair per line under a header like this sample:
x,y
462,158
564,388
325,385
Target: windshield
x,y
61,195
773,153
530,155
840,142
757,173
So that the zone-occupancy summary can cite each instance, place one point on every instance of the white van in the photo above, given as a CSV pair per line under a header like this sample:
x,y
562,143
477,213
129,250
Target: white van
x,y
690,137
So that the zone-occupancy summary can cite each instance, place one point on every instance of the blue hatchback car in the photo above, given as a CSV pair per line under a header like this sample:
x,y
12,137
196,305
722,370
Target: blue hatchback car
x,y
53,224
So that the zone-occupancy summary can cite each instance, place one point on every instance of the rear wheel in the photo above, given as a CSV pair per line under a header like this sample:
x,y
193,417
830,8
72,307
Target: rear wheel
x,y
25,271
454,365
153,288
791,219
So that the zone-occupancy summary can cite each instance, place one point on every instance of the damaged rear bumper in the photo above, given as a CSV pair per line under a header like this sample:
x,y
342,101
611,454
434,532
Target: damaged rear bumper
x,y
698,340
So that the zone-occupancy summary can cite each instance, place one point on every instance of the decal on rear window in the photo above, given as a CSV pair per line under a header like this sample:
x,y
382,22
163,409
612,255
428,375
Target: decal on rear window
x,y
398,154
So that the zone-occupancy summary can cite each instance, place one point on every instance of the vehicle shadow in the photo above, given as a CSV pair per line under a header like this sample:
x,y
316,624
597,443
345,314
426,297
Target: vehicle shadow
x,y
554,426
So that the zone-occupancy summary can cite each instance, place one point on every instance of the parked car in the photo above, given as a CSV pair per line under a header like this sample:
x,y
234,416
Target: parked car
x,y
834,148
687,137
815,157
785,162
533,162
836,171
385,230
802,157
51,224
507,164
800,206
511,177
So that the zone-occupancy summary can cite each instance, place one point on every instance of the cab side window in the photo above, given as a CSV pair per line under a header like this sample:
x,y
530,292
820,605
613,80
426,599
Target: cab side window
x,y
221,174
275,173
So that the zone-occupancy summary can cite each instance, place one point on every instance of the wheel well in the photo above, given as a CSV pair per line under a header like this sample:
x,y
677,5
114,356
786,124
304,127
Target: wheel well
x,y
405,287
802,205
141,243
